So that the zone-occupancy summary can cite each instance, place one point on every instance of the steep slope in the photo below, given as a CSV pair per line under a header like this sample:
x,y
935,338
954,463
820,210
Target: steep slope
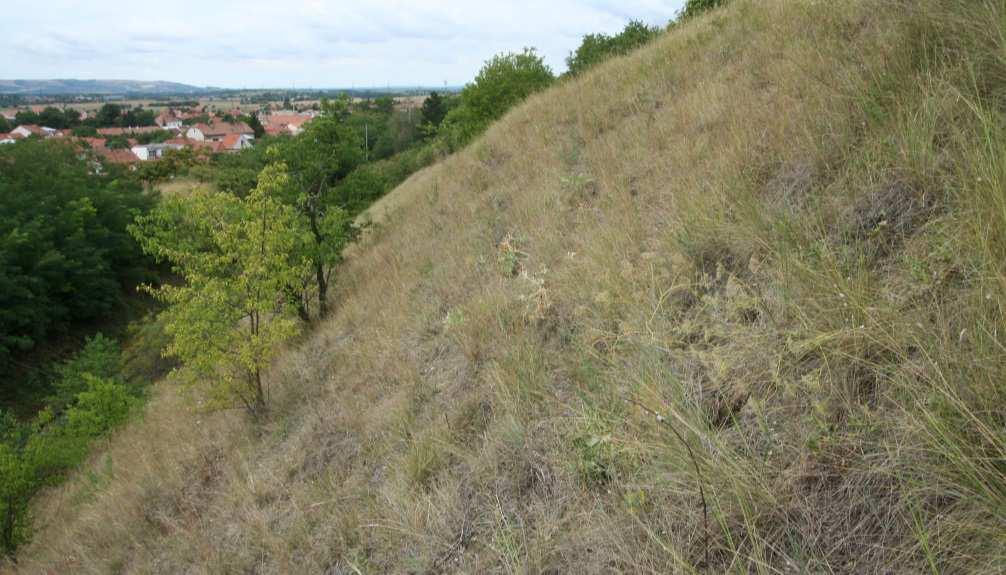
x,y
729,304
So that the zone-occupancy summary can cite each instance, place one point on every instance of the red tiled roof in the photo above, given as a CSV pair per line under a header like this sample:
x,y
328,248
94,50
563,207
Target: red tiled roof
x,y
286,119
230,141
195,144
117,156
224,129
122,156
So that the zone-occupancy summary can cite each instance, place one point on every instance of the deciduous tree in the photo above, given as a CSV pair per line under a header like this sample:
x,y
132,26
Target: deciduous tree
x,y
236,256
325,153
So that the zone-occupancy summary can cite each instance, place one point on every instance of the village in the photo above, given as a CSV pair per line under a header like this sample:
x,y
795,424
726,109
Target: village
x,y
197,128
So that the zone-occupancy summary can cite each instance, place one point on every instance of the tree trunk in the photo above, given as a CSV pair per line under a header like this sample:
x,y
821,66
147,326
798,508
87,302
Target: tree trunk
x,y
319,270
259,393
319,265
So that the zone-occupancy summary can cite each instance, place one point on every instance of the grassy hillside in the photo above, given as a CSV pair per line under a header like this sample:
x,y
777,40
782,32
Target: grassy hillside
x,y
730,304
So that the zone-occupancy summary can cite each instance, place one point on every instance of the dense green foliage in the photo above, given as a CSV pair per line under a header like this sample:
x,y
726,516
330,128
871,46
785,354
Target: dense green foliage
x,y
108,116
92,400
326,152
597,48
65,254
50,117
111,115
255,124
696,7
503,82
153,137
433,112
369,182
236,173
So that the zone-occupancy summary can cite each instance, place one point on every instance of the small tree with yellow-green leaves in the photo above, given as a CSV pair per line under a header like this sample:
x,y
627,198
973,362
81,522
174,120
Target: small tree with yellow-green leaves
x,y
236,256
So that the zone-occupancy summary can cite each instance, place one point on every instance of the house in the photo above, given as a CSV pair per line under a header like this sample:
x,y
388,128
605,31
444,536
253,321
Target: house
x,y
149,152
236,142
217,131
207,145
9,115
120,156
6,139
168,120
293,124
28,130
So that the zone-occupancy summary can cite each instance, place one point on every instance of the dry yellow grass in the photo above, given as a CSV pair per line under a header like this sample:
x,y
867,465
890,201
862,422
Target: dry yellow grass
x,y
180,186
755,228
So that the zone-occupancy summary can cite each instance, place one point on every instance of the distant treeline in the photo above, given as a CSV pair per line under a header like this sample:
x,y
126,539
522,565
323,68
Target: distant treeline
x,y
108,116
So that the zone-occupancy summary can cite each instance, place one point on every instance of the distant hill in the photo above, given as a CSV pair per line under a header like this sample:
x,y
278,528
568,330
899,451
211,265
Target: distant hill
x,y
62,87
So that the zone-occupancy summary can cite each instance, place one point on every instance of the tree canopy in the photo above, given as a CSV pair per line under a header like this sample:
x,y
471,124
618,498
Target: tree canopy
x,y
597,48
696,7
65,254
325,153
237,256
504,81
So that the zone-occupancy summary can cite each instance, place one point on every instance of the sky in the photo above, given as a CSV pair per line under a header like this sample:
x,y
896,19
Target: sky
x,y
298,43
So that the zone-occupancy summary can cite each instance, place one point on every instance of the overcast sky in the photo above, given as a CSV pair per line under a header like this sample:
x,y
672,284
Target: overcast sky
x,y
302,43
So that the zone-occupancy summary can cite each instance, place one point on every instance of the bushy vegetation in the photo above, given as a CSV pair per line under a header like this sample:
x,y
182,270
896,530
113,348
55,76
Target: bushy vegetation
x,y
67,265
597,48
65,254
695,7
503,82
91,401
108,116
369,182
318,159
237,258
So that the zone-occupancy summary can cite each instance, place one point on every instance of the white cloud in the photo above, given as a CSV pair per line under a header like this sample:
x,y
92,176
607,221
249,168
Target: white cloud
x,y
320,43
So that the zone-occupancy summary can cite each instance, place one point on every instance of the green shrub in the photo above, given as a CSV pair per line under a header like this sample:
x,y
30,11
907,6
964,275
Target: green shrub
x,y
597,48
695,7
89,403
100,357
104,405
503,82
